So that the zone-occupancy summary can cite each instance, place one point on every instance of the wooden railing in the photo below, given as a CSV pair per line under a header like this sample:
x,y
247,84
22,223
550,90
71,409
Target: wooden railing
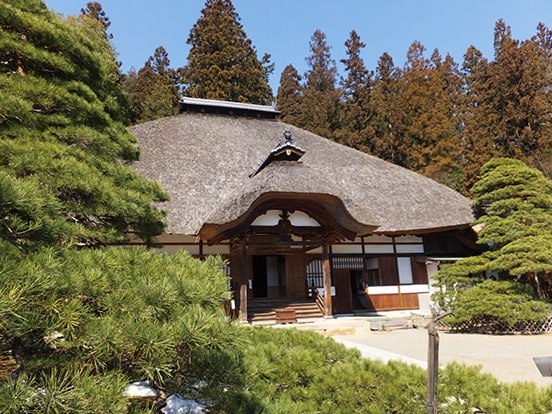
x,y
318,299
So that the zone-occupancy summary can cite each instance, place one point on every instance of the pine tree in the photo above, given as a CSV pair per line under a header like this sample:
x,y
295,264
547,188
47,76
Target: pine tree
x,y
84,324
222,62
290,96
513,205
62,133
320,95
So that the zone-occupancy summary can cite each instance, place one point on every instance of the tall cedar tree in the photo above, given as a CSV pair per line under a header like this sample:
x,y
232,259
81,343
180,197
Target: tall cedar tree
x,y
62,138
290,96
356,130
385,97
222,62
429,144
446,166
320,110
478,147
152,91
511,101
95,10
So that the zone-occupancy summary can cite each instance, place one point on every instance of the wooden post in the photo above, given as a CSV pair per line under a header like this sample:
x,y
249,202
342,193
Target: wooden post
x,y
432,367
327,281
243,281
433,364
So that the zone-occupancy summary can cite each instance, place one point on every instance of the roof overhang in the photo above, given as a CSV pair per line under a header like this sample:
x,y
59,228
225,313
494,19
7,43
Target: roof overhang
x,y
327,209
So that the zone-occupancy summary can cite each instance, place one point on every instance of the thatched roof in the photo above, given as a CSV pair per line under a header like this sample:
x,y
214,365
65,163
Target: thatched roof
x,y
205,162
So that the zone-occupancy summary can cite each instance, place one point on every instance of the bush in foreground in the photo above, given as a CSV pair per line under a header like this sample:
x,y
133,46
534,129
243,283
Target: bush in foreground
x,y
293,371
84,324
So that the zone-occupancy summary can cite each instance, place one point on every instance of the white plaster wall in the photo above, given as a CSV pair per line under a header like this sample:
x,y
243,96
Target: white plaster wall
x,y
382,290
297,218
378,249
410,248
173,248
405,270
414,288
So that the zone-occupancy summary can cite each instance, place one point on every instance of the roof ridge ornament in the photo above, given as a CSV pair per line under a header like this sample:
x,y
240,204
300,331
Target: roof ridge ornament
x,y
286,150
287,138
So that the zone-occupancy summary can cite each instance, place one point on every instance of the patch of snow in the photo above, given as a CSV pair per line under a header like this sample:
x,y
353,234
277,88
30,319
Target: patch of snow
x,y
178,405
141,389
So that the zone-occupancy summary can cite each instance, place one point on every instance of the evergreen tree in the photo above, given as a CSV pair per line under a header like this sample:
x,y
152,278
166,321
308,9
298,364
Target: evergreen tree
x,y
478,146
222,62
445,130
383,100
513,205
290,96
511,100
356,130
62,135
152,91
95,11
430,144
320,95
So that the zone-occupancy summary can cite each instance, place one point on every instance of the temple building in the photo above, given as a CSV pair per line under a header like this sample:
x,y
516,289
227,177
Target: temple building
x,y
304,222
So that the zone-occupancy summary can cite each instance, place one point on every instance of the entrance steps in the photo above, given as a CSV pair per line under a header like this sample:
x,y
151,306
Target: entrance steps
x,y
267,310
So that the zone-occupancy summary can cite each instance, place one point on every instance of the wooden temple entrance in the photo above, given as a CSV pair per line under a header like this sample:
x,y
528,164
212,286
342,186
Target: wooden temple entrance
x,y
271,237
268,268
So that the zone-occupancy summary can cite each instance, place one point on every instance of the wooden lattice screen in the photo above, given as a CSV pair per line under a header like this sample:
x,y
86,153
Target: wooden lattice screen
x,y
494,326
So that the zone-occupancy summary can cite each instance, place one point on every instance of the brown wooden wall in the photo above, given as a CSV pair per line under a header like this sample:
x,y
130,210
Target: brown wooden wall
x,y
419,272
389,272
296,275
401,301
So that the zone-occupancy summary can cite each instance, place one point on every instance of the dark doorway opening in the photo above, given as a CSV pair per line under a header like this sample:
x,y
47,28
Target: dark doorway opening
x,y
357,289
269,276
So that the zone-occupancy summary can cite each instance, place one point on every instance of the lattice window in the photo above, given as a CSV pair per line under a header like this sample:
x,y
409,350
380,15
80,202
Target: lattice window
x,y
315,274
353,263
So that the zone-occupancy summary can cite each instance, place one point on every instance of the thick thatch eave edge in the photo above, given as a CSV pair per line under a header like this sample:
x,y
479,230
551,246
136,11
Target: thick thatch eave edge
x,y
327,209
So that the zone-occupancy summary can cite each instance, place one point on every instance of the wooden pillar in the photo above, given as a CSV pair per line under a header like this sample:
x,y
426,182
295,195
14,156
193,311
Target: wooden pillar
x,y
243,281
327,281
432,368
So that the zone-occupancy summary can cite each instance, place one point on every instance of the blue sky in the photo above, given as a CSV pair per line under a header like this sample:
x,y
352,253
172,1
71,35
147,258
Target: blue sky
x,y
283,28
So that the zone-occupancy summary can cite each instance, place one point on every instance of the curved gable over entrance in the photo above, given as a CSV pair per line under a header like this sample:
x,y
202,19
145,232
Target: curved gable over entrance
x,y
336,223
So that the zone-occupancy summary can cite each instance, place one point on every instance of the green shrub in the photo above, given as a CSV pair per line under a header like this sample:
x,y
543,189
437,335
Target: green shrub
x,y
502,302
293,371
125,313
